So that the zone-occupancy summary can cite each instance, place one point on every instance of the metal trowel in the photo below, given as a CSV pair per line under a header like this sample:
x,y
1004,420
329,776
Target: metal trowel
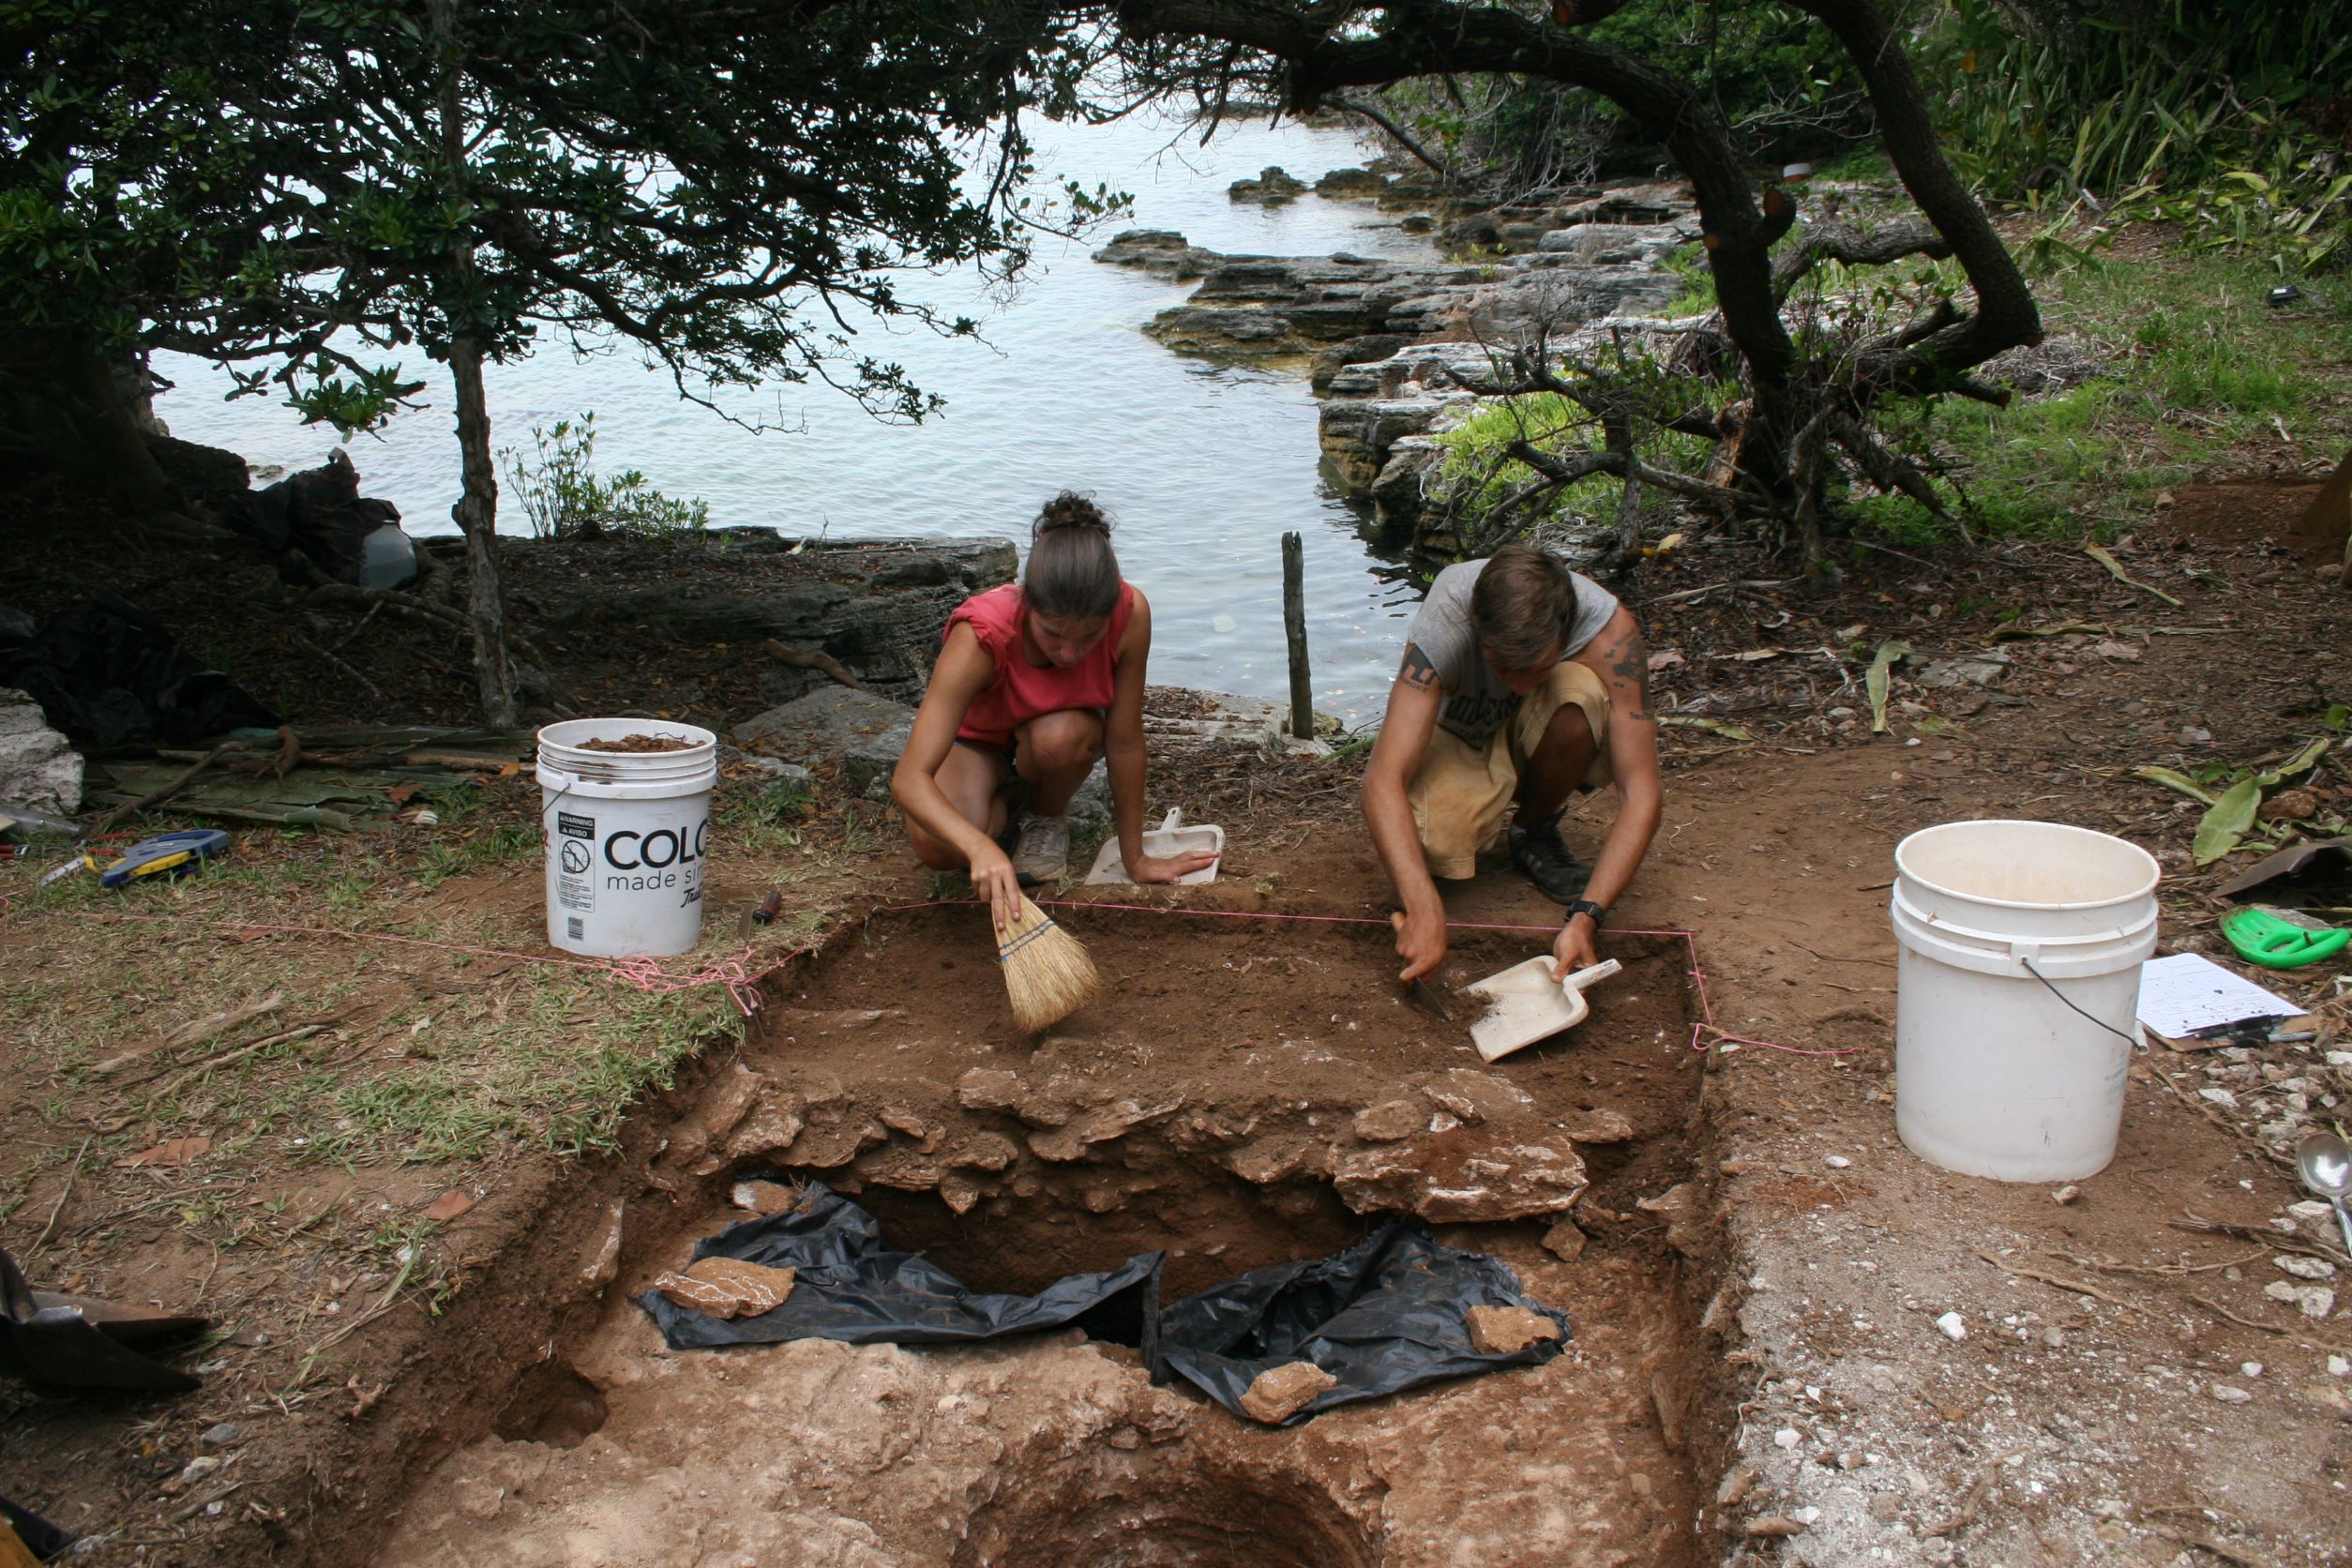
x,y
1524,1004
74,1342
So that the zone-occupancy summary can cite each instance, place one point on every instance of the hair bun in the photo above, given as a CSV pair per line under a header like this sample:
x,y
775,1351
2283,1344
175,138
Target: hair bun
x,y
1071,510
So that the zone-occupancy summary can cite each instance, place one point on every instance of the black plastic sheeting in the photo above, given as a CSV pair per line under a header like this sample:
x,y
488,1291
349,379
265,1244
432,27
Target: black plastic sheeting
x,y
855,1287
108,674
1386,1315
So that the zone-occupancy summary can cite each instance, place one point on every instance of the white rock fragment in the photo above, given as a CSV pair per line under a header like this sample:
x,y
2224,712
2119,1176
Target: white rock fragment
x,y
2250,1368
1836,1162
2305,1268
2313,1301
2066,1194
2230,1394
1954,1326
2339,1366
1788,1437
2219,1097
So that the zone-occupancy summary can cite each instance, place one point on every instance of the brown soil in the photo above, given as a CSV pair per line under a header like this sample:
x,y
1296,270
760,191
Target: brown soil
x,y
640,744
893,1053
2105,1442
2251,511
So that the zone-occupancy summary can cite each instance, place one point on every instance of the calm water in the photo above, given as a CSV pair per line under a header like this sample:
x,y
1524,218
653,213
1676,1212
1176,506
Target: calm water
x,y
1204,467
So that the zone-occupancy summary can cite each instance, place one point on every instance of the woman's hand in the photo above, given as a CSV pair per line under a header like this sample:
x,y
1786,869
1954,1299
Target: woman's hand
x,y
1169,869
992,880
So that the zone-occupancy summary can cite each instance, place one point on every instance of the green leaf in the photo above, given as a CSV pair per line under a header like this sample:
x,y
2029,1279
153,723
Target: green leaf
x,y
1712,726
2301,762
2172,780
1876,682
2227,821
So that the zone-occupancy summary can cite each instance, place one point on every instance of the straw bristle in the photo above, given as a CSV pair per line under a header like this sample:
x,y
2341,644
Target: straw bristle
x,y
1047,972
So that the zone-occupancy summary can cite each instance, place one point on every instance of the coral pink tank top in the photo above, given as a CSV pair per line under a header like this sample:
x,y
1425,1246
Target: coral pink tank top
x,y
1021,690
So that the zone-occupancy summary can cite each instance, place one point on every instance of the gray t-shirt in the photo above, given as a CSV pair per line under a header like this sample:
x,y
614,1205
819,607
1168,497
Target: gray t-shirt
x,y
1477,701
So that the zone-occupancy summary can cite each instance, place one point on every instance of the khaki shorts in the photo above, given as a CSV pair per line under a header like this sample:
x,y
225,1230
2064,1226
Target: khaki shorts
x,y
1462,794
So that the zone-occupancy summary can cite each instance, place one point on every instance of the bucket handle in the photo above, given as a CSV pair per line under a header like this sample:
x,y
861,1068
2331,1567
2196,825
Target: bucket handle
x,y
2021,949
2130,1040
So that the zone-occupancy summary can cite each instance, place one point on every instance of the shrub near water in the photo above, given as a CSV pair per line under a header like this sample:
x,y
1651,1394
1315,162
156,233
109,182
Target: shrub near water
x,y
564,498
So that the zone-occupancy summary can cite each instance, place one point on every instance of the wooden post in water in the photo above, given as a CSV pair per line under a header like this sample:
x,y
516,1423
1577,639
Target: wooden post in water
x,y
1294,632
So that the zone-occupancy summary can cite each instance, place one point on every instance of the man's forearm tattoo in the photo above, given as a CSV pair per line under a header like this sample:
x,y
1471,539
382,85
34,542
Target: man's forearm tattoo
x,y
1418,673
1629,662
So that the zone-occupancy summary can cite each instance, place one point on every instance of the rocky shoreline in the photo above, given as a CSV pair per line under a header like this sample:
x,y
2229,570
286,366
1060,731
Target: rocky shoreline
x,y
1396,350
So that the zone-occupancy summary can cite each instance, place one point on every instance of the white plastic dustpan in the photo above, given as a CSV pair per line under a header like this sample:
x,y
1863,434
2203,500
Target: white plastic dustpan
x,y
1526,1004
1171,838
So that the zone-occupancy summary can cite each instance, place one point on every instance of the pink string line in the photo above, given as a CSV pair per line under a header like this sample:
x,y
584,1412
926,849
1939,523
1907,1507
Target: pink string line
x,y
644,974
743,982
1700,1031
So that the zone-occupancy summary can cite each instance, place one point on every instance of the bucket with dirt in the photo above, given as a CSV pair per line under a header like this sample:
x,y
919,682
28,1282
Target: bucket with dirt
x,y
624,816
2017,991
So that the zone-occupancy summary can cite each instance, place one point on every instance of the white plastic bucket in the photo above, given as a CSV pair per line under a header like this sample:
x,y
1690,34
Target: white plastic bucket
x,y
1996,1074
625,833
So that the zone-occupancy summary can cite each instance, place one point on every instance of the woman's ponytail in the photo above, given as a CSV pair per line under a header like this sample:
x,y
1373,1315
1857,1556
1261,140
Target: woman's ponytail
x,y
1072,573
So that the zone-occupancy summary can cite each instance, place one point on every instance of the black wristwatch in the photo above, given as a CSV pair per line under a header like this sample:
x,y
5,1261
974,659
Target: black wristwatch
x,y
1599,912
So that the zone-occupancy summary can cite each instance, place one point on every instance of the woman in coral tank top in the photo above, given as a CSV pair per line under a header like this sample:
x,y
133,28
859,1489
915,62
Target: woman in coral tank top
x,y
1033,682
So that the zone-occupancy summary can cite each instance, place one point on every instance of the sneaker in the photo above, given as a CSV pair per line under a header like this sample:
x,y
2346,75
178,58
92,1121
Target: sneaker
x,y
1549,863
1016,793
1043,854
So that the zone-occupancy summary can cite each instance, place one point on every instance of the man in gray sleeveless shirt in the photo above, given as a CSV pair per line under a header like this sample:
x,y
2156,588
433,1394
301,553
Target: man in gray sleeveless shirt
x,y
1522,684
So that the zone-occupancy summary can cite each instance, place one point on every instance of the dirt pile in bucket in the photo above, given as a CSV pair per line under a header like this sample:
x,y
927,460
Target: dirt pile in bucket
x,y
640,744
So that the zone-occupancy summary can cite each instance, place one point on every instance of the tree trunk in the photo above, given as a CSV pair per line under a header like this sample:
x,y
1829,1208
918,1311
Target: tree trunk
x,y
476,511
63,408
476,514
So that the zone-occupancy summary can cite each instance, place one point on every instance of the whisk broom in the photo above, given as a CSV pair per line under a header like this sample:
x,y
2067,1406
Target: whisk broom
x,y
1047,972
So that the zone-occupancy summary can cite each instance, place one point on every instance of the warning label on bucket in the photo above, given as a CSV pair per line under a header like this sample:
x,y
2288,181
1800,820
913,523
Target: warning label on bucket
x,y
575,888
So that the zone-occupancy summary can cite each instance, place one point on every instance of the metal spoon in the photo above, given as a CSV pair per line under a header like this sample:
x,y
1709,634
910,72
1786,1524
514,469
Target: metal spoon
x,y
2325,1162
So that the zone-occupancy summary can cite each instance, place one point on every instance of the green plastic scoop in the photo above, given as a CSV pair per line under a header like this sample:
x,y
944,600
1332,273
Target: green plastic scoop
x,y
2275,939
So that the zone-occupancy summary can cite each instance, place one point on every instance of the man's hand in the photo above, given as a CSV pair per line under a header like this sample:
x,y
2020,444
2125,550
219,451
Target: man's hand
x,y
1421,943
992,879
1169,869
1573,949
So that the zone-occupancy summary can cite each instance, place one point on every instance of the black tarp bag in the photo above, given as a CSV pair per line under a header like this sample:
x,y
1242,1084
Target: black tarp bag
x,y
1387,1314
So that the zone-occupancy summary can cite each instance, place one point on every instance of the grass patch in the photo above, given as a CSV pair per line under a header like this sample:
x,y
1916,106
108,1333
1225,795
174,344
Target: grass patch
x,y
2194,368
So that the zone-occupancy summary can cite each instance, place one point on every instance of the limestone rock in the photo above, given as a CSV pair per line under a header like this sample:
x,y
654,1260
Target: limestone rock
x,y
826,1147
1680,1207
601,1261
1098,1125
1280,1393
876,605
1505,1331
1389,1121
729,1100
1565,1240
763,1198
1474,1096
982,1151
858,732
1280,1157
960,1193
1273,184
1464,1176
39,769
769,1129
991,1089
727,1287
1600,1127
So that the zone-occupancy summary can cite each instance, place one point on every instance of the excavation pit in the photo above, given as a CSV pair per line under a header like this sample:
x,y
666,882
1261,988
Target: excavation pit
x,y
1244,1093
